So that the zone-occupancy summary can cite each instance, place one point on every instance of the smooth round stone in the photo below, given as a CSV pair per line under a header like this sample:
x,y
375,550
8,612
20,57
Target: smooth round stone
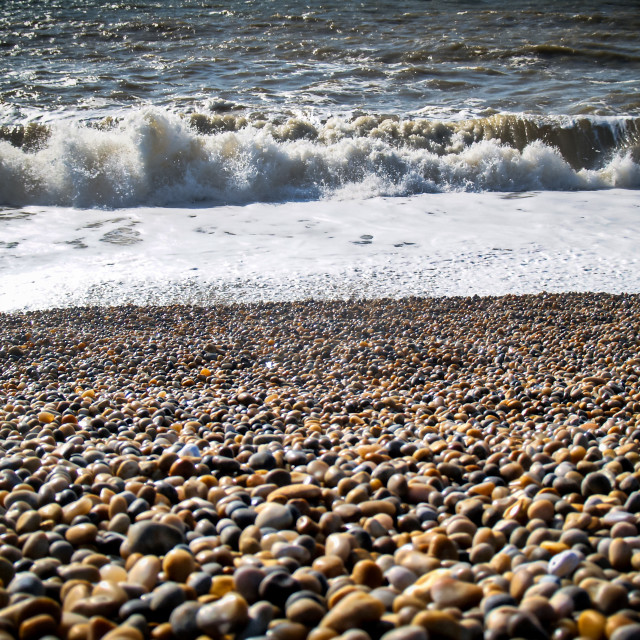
x,y
111,590
247,581
565,563
439,624
284,550
135,607
591,624
113,573
628,632
38,627
540,608
139,622
178,565
298,492
224,616
595,483
400,577
61,550
368,573
260,615
145,572
79,571
618,620
620,553
275,516
386,595
244,517
523,624
562,604
26,583
96,605
612,518
221,585
339,544
124,632
277,587
165,598
482,552
200,582
443,547
542,509
495,600
28,522
36,546
353,611
153,538
305,593
287,630
306,611
183,620
407,632
329,566
580,597
611,598
120,523
262,460
30,497
7,571
81,534
448,592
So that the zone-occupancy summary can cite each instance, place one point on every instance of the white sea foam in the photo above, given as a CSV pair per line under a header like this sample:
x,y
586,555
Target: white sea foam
x,y
155,158
430,244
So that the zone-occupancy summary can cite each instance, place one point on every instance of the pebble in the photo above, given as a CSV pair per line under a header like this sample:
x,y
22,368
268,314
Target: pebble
x,y
628,632
145,572
565,563
153,538
183,620
165,598
223,616
471,472
352,611
274,516
306,611
25,582
178,565
447,592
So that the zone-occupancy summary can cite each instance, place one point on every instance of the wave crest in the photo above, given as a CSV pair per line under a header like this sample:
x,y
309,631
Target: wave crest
x,y
153,157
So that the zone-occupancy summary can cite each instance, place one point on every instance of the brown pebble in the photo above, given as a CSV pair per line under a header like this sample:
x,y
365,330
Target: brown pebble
x,y
329,566
620,553
37,627
306,611
223,616
81,534
591,624
145,572
447,592
368,573
439,624
178,564
353,611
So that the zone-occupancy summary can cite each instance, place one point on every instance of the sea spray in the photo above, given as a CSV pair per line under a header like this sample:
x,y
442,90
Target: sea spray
x,y
153,157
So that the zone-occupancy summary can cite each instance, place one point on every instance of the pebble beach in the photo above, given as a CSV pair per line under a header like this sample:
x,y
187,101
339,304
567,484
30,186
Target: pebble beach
x,y
414,469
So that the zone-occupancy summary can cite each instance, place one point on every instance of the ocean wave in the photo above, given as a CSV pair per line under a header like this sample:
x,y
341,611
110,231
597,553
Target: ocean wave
x,y
153,157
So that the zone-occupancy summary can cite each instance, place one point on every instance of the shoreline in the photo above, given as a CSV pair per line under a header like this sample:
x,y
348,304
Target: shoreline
x,y
425,245
390,469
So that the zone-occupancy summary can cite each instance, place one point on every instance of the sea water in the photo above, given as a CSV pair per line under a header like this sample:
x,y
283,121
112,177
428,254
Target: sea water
x,y
204,151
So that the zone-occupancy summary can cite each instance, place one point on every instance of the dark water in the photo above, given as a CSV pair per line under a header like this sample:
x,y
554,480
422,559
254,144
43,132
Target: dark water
x,y
153,102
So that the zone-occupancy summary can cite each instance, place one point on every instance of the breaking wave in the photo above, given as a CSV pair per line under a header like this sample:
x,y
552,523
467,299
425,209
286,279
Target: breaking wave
x,y
156,158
